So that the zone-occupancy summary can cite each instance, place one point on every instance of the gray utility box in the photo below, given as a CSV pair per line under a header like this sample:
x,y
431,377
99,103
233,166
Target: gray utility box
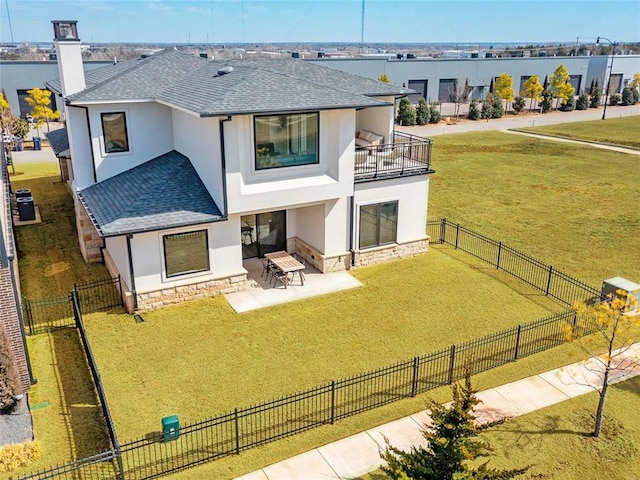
x,y
26,209
612,285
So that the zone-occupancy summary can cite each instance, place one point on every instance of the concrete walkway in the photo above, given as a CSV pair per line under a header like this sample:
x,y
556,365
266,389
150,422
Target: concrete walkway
x,y
359,454
553,138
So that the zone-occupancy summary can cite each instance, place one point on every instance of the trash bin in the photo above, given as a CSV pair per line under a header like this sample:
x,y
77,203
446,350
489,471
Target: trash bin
x,y
17,144
23,192
37,143
170,428
26,209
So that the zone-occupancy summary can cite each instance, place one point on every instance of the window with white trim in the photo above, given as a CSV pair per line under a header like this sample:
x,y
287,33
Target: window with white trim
x,y
114,130
286,140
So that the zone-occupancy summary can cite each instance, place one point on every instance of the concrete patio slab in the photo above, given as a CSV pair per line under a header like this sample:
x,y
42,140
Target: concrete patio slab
x,y
403,434
532,394
307,466
353,456
261,293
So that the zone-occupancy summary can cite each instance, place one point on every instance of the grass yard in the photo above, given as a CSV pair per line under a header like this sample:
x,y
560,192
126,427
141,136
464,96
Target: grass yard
x,y
50,260
574,207
621,131
556,440
66,416
220,360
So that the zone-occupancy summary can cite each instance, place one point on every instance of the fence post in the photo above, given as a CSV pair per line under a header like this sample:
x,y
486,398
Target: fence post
x,y
549,280
27,304
515,356
499,253
235,415
75,305
457,233
443,229
119,461
333,401
452,360
414,380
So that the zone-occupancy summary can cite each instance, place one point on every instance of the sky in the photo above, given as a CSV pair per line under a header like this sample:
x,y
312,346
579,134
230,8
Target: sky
x,y
275,21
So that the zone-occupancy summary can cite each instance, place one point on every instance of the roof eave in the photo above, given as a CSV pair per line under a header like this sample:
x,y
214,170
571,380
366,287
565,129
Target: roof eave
x,y
222,218
292,110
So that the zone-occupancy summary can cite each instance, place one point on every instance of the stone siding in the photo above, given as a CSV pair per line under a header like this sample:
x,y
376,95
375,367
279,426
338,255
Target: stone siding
x,y
171,295
312,256
90,242
11,321
389,252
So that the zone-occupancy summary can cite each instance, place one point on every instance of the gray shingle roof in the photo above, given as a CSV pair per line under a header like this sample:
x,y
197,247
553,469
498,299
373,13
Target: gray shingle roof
x,y
59,140
254,86
165,192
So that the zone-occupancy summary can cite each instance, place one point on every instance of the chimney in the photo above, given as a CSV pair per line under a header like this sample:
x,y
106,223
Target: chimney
x,y
70,67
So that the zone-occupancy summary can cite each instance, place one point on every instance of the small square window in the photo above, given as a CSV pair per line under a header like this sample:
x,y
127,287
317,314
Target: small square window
x,y
114,129
186,253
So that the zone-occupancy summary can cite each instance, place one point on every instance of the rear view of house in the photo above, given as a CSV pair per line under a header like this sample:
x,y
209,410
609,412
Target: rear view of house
x,y
182,168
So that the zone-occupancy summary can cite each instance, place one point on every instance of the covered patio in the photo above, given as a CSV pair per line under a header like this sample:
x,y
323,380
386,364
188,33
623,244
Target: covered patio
x,y
261,293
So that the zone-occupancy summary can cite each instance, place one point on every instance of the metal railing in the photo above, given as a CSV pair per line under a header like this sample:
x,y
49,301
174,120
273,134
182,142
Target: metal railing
x,y
535,273
51,313
406,155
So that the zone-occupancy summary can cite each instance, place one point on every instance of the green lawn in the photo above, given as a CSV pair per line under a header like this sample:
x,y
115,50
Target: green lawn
x,y
621,131
220,360
50,260
67,418
556,440
574,207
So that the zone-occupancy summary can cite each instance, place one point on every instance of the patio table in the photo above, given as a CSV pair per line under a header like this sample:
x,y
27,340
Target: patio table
x,y
286,264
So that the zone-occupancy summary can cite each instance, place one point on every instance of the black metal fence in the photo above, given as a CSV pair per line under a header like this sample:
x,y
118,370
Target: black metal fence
x,y
535,273
51,313
243,428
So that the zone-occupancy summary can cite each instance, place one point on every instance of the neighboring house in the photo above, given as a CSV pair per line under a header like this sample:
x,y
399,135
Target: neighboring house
x,y
182,168
10,307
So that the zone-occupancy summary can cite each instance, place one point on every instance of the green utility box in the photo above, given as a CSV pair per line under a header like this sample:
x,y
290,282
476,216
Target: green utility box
x,y
170,428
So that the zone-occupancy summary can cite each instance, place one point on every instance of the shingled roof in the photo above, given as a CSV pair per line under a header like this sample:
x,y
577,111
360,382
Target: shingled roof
x,y
253,86
165,192
59,141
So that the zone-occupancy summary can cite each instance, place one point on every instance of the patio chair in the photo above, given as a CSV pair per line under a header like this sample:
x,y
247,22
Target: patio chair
x,y
277,274
265,268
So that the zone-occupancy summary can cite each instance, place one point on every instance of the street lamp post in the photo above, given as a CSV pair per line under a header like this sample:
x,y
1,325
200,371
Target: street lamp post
x,y
606,97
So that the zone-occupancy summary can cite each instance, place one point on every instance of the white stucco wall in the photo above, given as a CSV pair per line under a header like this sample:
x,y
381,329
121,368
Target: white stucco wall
x,y
149,131
336,230
308,224
117,248
225,256
250,190
411,194
377,120
199,139
80,147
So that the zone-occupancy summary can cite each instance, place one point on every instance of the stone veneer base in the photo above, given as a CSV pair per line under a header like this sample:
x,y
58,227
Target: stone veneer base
x,y
90,242
385,253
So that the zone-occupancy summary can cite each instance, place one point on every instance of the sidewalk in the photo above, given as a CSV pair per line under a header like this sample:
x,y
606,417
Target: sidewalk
x,y
359,454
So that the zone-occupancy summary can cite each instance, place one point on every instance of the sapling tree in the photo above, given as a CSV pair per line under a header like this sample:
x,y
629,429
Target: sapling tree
x,y
406,113
595,98
422,112
452,448
533,89
503,89
39,100
560,86
617,323
384,78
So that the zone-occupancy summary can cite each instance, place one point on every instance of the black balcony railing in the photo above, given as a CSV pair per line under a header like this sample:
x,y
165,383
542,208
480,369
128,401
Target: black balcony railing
x,y
406,155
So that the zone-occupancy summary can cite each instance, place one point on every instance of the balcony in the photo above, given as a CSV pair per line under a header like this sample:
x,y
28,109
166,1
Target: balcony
x,y
408,155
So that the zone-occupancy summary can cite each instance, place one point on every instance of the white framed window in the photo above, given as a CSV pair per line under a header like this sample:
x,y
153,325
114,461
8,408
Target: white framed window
x,y
378,224
286,140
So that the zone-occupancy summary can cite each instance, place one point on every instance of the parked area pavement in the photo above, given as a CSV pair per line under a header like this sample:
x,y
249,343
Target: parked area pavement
x,y
16,427
519,121
359,454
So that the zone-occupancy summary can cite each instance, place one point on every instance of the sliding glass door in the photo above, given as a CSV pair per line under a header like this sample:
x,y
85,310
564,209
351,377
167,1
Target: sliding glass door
x,y
263,233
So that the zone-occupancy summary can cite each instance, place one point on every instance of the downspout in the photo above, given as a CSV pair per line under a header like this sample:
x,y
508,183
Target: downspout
x,y
93,160
16,298
223,163
352,215
131,275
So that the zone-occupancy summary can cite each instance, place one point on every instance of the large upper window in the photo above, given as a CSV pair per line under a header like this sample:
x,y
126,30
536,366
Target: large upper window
x,y
378,224
286,140
114,129
186,253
